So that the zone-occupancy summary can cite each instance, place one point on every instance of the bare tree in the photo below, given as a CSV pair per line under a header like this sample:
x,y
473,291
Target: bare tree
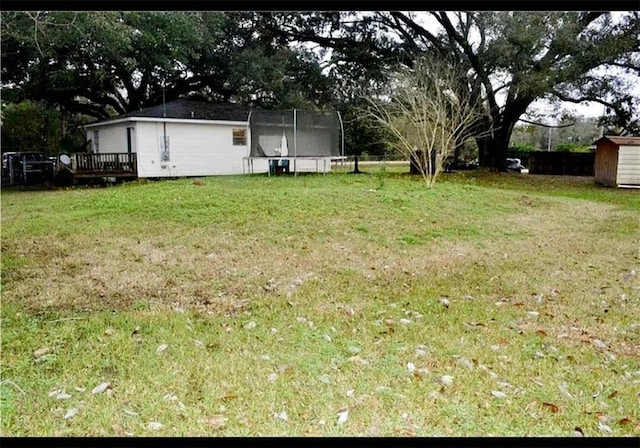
x,y
427,113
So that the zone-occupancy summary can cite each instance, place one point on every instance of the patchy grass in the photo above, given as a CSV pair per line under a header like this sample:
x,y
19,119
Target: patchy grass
x,y
344,304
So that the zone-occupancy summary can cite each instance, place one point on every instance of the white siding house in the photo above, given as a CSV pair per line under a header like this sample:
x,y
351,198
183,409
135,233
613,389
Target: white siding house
x,y
201,139
192,138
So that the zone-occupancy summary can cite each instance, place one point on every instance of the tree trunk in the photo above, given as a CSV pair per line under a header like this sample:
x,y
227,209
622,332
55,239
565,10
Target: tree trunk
x,y
493,145
356,170
492,150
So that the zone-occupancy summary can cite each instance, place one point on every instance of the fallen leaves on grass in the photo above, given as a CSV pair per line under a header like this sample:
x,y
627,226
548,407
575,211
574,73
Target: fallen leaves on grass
x,y
217,421
42,359
100,388
170,397
272,377
564,388
162,348
154,426
71,413
465,362
498,394
357,359
552,407
604,427
41,352
409,431
226,397
343,416
597,343
281,416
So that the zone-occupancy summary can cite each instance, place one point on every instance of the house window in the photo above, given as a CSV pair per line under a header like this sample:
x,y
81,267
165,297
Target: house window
x,y
96,141
239,137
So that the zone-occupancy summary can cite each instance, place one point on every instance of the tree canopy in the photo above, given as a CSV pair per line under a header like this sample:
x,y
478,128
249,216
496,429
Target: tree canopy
x,y
101,63
512,58
104,63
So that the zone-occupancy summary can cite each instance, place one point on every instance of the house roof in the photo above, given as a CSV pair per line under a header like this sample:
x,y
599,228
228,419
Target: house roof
x,y
621,141
193,109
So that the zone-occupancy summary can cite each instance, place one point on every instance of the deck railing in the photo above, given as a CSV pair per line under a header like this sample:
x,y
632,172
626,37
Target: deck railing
x,y
107,164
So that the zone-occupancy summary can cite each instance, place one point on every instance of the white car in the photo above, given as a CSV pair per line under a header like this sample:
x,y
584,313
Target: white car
x,y
514,165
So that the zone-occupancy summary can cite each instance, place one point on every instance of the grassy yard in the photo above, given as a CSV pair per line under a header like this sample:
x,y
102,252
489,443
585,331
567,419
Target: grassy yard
x,y
336,305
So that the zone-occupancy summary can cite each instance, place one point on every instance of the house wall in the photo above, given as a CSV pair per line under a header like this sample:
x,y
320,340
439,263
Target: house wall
x,y
111,138
195,149
628,166
606,163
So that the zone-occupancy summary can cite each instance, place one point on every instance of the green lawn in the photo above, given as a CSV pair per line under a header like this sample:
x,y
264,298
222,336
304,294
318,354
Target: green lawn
x,y
334,305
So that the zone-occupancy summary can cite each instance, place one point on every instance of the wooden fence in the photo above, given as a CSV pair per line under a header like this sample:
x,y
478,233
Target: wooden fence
x,y
562,163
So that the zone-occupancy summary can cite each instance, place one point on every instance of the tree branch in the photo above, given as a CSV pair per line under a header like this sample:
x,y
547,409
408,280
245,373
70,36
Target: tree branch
x,y
419,30
472,57
561,96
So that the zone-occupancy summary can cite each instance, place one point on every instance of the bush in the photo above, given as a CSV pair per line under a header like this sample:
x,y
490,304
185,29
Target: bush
x,y
522,147
572,147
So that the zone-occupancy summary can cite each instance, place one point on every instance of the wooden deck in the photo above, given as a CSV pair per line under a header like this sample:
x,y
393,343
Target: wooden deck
x,y
103,165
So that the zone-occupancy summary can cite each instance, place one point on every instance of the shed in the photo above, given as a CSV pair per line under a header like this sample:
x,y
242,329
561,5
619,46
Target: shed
x,y
197,138
617,161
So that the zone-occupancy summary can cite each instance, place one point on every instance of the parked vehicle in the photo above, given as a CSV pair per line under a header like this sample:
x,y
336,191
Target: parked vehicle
x,y
26,167
514,165
451,165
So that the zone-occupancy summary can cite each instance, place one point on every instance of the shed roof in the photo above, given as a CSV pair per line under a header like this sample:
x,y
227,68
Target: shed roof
x,y
621,141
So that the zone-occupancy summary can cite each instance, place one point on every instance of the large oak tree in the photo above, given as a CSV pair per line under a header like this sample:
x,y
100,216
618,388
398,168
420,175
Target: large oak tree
x,y
512,58
104,62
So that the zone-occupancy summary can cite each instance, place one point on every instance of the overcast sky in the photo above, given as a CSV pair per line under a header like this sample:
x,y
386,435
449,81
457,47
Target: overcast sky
x,y
588,109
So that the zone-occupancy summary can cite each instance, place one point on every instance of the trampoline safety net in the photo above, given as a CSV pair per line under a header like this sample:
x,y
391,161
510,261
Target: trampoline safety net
x,y
295,133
